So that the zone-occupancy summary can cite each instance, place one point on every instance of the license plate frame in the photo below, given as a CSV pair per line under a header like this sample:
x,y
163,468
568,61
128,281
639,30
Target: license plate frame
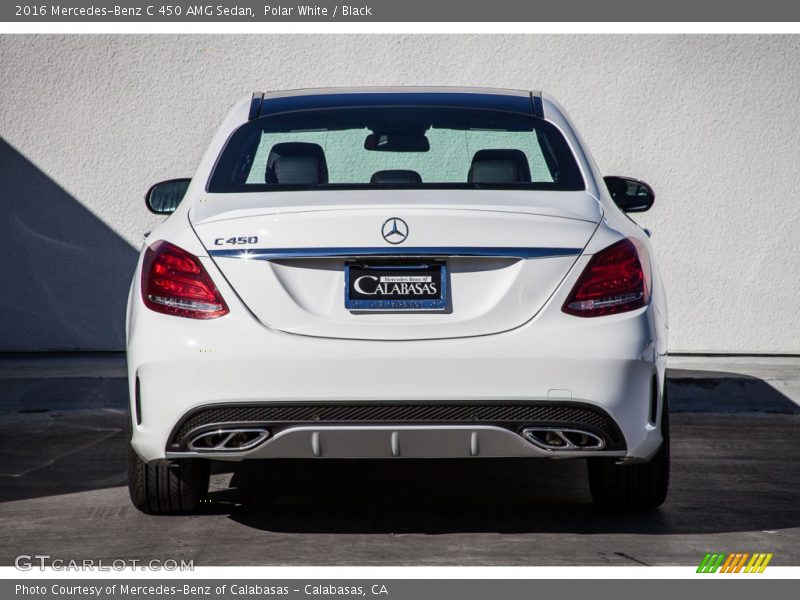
x,y
436,270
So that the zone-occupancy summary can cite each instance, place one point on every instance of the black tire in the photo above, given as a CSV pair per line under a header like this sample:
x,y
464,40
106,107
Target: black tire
x,y
639,486
167,487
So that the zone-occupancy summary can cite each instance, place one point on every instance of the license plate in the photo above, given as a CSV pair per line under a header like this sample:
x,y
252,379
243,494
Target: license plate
x,y
395,287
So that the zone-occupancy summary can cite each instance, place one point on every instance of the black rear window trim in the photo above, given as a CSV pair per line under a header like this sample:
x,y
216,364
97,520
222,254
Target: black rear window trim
x,y
543,186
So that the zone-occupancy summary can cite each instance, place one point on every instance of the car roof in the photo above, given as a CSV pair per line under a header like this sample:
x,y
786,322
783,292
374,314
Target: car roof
x,y
516,101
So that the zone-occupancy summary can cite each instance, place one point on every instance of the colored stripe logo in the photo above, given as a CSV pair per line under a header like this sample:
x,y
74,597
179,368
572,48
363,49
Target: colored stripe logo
x,y
738,562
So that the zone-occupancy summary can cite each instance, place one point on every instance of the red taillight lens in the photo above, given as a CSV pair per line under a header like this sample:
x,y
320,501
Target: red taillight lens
x,y
617,279
174,282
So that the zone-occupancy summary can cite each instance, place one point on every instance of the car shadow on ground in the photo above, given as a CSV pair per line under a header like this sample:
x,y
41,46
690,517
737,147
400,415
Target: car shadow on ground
x,y
408,496
716,488
726,477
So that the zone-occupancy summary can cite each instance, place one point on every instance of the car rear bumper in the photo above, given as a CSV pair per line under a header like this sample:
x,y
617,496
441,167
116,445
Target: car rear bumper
x,y
608,363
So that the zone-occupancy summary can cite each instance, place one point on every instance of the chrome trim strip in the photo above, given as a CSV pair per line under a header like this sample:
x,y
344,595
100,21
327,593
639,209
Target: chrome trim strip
x,y
410,251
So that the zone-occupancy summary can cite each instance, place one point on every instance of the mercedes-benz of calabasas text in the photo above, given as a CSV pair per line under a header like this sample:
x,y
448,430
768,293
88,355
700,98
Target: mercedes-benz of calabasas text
x,y
397,273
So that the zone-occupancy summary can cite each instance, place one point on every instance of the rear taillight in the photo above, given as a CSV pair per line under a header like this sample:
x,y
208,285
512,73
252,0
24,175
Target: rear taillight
x,y
617,279
174,282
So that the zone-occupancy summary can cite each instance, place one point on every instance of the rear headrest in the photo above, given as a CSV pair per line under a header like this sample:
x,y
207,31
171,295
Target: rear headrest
x,y
298,163
396,177
499,166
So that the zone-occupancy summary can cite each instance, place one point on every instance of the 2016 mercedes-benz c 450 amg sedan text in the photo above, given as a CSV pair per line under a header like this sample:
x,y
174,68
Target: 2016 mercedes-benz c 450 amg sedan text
x,y
397,273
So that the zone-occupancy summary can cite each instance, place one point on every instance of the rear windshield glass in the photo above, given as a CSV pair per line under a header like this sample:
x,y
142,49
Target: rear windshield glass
x,y
396,147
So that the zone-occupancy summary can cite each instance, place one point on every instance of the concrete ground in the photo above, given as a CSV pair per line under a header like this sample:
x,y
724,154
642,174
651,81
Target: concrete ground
x,y
735,484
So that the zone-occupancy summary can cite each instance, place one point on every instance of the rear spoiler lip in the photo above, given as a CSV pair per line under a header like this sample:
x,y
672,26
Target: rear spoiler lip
x,y
262,105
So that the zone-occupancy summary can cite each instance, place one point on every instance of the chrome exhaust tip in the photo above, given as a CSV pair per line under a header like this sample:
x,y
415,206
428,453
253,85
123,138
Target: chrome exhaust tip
x,y
228,440
554,438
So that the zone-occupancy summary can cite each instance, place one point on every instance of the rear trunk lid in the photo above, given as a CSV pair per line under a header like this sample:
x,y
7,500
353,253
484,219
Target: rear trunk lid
x,y
504,254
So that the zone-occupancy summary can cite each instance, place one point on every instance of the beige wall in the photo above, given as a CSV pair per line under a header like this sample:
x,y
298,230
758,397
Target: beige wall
x,y
712,122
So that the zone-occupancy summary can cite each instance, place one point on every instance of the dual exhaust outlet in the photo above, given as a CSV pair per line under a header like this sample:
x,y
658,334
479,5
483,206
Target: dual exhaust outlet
x,y
241,439
230,440
556,438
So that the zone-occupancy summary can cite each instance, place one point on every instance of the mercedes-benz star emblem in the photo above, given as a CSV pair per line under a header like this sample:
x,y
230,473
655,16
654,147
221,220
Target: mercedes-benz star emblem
x,y
394,230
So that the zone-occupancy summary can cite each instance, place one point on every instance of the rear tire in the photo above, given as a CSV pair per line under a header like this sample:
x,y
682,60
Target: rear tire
x,y
167,487
640,486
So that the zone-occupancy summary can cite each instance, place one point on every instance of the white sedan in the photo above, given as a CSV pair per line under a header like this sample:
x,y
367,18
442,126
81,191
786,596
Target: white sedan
x,y
397,273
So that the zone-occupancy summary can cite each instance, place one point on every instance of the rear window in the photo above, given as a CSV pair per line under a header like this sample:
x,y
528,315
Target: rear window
x,y
402,147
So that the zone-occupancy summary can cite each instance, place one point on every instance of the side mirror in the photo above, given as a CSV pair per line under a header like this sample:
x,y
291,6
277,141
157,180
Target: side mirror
x,y
164,197
631,195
